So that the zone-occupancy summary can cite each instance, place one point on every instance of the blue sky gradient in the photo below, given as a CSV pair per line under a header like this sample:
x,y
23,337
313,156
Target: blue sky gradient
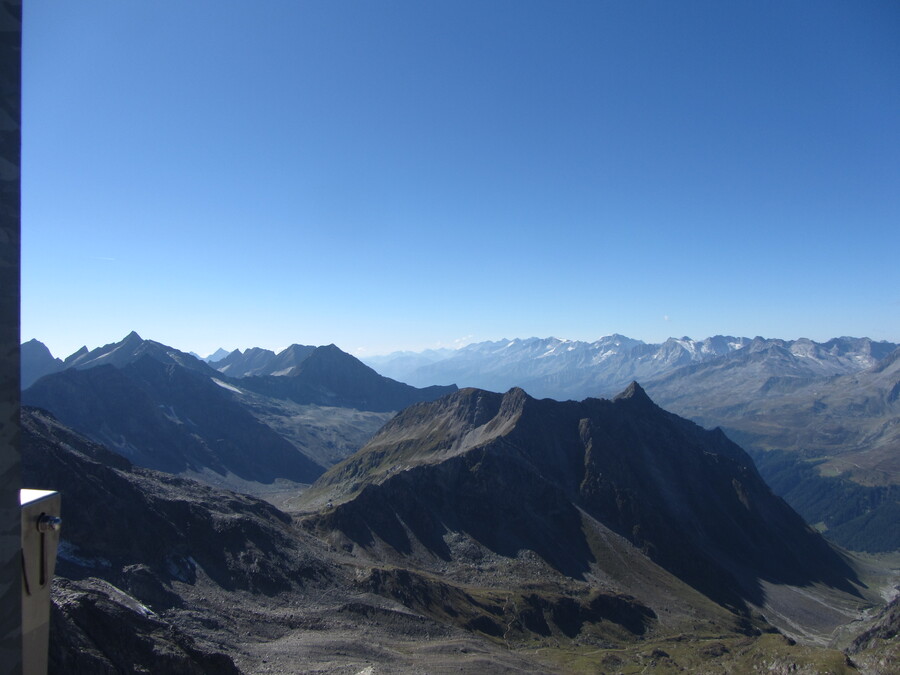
x,y
404,175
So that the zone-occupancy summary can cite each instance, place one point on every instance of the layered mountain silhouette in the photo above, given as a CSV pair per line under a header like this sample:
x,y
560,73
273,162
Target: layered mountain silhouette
x,y
37,361
329,376
169,418
514,473
256,361
827,403
216,356
167,410
829,445
850,418
131,348
571,369
323,376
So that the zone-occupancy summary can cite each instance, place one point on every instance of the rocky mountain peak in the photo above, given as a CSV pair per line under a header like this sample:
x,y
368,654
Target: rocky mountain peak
x,y
74,356
34,343
688,497
36,361
634,392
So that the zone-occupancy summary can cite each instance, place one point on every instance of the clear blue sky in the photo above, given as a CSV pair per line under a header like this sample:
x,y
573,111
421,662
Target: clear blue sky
x,y
403,175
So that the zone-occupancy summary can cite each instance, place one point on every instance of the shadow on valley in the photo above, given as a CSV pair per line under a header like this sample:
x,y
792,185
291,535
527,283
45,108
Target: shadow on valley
x,y
858,517
169,418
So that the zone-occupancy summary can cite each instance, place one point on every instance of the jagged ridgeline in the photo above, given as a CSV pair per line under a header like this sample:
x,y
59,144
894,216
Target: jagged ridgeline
x,y
831,405
513,473
167,410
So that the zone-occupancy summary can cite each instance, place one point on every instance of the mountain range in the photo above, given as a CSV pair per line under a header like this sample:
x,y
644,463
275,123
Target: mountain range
x,y
507,471
479,532
819,419
829,445
571,369
167,410
769,397
831,407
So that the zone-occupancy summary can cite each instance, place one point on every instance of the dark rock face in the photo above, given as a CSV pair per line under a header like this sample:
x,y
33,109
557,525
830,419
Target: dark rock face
x,y
877,649
97,629
516,473
329,376
133,539
141,530
169,418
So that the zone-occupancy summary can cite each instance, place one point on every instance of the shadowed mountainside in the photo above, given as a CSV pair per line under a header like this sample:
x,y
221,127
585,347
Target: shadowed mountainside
x,y
157,572
169,418
514,473
238,541
37,361
331,377
143,533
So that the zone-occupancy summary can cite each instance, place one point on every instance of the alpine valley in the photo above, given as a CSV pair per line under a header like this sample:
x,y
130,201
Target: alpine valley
x,y
262,512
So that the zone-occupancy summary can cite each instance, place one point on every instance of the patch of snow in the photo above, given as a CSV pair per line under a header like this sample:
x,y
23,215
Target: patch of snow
x,y
130,601
227,386
106,355
169,412
283,372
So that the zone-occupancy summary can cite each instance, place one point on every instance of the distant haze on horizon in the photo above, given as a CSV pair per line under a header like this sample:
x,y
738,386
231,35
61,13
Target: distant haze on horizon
x,y
406,176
